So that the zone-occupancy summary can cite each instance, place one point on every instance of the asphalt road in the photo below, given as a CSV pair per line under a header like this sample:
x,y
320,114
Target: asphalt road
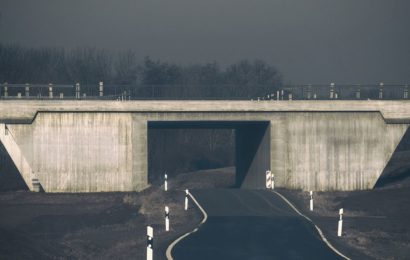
x,y
251,224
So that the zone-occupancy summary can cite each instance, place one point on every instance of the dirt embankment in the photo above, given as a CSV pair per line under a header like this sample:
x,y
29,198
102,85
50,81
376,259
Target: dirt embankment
x,y
376,222
98,225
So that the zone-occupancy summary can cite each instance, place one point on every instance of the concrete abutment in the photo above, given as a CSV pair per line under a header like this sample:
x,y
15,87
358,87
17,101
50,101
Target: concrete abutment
x,y
101,150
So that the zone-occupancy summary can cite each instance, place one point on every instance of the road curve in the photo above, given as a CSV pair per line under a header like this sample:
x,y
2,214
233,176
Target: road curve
x,y
251,224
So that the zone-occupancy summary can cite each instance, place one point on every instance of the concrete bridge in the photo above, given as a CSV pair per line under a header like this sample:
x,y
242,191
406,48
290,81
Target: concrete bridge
x,y
93,146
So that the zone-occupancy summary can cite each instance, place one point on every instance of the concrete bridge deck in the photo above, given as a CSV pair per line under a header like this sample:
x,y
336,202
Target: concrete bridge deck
x,y
26,110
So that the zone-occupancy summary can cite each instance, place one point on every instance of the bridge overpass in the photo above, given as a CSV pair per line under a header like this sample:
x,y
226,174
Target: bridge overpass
x,y
94,146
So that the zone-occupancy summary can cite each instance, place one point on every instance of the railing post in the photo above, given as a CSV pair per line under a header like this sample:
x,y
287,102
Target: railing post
x,y
381,90
309,92
50,90
406,92
101,89
332,90
358,92
77,90
6,90
27,90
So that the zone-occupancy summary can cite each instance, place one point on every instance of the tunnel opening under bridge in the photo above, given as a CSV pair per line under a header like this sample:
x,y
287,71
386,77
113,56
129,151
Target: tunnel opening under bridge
x,y
242,144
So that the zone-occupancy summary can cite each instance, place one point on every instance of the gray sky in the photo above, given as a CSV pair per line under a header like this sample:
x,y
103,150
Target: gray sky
x,y
322,41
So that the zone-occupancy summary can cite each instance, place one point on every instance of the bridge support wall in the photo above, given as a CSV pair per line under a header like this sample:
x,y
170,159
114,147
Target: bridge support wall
x,y
85,152
331,151
107,151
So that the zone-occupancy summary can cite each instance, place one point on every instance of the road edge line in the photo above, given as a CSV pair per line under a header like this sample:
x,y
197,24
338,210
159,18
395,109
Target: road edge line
x,y
322,236
171,246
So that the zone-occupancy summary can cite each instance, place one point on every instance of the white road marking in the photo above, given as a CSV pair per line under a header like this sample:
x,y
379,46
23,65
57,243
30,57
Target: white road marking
x,y
171,246
322,236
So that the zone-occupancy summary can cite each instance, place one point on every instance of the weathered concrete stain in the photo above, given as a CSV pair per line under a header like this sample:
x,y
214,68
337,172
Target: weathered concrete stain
x,y
83,152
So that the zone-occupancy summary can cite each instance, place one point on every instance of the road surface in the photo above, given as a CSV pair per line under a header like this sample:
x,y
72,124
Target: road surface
x,y
251,224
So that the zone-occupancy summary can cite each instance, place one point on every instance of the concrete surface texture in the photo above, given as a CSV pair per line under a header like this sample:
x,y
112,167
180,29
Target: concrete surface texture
x,y
84,152
331,151
91,146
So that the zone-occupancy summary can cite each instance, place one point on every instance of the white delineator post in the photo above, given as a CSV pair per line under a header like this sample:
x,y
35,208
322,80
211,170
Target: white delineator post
x,y
166,182
166,218
150,243
186,199
273,181
268,179
311,201
340,224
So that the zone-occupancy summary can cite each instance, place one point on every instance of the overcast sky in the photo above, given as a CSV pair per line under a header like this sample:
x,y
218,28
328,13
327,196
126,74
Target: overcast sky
x,y
322,41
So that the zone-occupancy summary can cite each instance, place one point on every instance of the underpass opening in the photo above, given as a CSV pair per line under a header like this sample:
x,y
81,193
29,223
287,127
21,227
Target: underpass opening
x,y
186,146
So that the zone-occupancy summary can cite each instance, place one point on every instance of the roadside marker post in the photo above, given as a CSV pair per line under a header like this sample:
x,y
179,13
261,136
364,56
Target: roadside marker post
x,y
270,183
166,182
311,201
166,218
340,224
273,181
186,199
268,179
150,243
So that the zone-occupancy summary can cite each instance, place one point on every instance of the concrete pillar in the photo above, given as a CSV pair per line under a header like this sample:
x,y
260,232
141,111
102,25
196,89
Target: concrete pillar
x,y
278,144
27,90
332,90
406,92
61,95
381,90
77,90
139,157
101,89
19,95
50,90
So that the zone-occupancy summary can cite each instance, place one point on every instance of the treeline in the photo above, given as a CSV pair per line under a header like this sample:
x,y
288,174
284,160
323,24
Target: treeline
x,y
200,149
91,65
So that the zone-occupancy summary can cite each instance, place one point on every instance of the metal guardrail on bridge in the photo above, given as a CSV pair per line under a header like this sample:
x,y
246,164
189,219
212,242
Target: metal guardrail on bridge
x,y
205,92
